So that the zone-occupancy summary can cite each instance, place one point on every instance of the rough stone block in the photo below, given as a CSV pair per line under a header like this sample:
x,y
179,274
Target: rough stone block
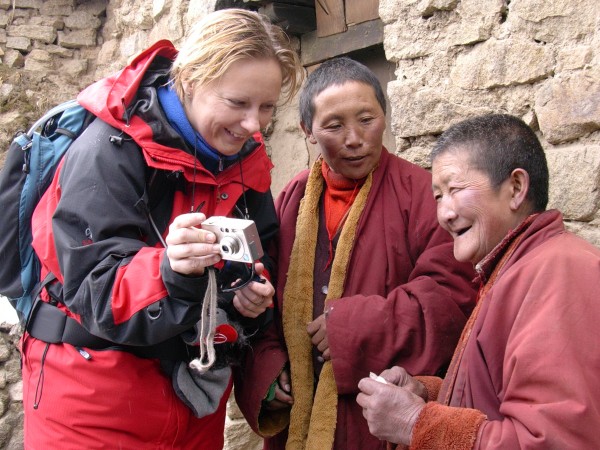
x,y
34,65
432,27
77,38
432,110
75,67
290,153
15,392
568,107
391,10
57,50
239,436
108,52
474,23
502,63
553,21
43,33
12,367
81,20
574,58
94,7
40,55
574,180
588,231
5,352
427,7
55,3
4,402
18,43
27,4
3,18
55,22
58,10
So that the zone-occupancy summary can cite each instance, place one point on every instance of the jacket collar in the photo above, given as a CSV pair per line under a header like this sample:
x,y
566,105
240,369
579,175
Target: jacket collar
x,y
127,100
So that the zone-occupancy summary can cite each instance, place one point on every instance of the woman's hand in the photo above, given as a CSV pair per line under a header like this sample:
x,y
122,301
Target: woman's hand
x,y
391,411
400,377
254,299
283,393
317,330
191,249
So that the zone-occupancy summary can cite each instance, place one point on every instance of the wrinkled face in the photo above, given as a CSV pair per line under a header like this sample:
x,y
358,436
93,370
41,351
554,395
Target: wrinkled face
x,y
477,215
228,111
348,126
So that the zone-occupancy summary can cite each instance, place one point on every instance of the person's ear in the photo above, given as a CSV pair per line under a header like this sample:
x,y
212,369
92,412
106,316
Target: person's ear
x,y
519,184
188,90
308,133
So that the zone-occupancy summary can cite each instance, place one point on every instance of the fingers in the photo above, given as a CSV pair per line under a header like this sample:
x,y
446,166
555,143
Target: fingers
x,y
317,330
284,380
190,249
254,299
390,411
283,397
400,377
369,386
316,325
283,392
396,375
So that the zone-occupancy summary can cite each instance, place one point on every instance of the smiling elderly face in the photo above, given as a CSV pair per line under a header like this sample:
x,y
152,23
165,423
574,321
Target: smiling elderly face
x,y
476,214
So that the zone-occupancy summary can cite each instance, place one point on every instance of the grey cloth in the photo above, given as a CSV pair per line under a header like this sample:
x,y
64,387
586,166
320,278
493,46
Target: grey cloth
x,y
202,393
192,336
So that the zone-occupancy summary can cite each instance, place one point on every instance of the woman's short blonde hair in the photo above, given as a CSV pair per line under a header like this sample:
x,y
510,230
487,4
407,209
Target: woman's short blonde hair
x,y
229,35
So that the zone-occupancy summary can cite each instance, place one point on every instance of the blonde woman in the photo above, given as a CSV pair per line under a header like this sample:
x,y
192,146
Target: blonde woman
x,y
176,139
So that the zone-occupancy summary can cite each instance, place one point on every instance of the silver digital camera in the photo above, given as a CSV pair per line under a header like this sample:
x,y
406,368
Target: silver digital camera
x,y
237,238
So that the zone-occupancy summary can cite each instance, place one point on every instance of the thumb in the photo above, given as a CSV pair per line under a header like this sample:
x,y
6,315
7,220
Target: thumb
x,y
367,386
259,268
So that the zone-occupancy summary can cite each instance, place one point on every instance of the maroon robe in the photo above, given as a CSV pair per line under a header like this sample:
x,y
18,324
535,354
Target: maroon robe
x,y
532,362
405,300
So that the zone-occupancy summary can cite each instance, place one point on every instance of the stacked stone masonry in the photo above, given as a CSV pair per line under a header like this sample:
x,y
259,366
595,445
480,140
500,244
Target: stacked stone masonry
x,y
536,59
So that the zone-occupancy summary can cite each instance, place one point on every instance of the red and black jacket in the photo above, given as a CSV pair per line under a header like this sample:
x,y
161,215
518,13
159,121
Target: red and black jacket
x,y
91,233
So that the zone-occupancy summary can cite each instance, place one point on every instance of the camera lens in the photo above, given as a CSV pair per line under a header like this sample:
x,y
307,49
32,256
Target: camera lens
x,y
230,245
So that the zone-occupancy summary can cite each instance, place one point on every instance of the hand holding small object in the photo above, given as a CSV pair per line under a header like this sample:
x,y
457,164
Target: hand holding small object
x,y
391,411
191,249
256,297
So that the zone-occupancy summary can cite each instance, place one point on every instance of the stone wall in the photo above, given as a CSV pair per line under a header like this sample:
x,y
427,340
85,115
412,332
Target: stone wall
x,y
537,59
11,388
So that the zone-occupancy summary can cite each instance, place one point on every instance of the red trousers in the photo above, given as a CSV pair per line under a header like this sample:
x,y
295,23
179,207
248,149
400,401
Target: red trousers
x,y
113,400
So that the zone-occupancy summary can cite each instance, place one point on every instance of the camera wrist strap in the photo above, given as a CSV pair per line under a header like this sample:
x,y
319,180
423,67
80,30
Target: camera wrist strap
x,y
207,325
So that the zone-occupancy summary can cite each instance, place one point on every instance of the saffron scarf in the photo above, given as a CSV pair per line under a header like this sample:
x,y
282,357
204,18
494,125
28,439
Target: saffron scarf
x,y
313,419
339,196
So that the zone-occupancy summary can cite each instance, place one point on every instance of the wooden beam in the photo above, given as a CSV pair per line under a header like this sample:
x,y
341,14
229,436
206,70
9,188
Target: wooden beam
x,y
314,49
330,17
358,11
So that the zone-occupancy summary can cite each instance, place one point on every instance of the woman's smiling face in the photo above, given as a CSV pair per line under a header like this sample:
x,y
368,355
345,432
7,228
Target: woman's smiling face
x,y
476,214
348,126
229,110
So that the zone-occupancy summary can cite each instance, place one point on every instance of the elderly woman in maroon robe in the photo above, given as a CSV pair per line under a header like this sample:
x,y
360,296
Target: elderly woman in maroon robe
x,y
526,372
366,277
